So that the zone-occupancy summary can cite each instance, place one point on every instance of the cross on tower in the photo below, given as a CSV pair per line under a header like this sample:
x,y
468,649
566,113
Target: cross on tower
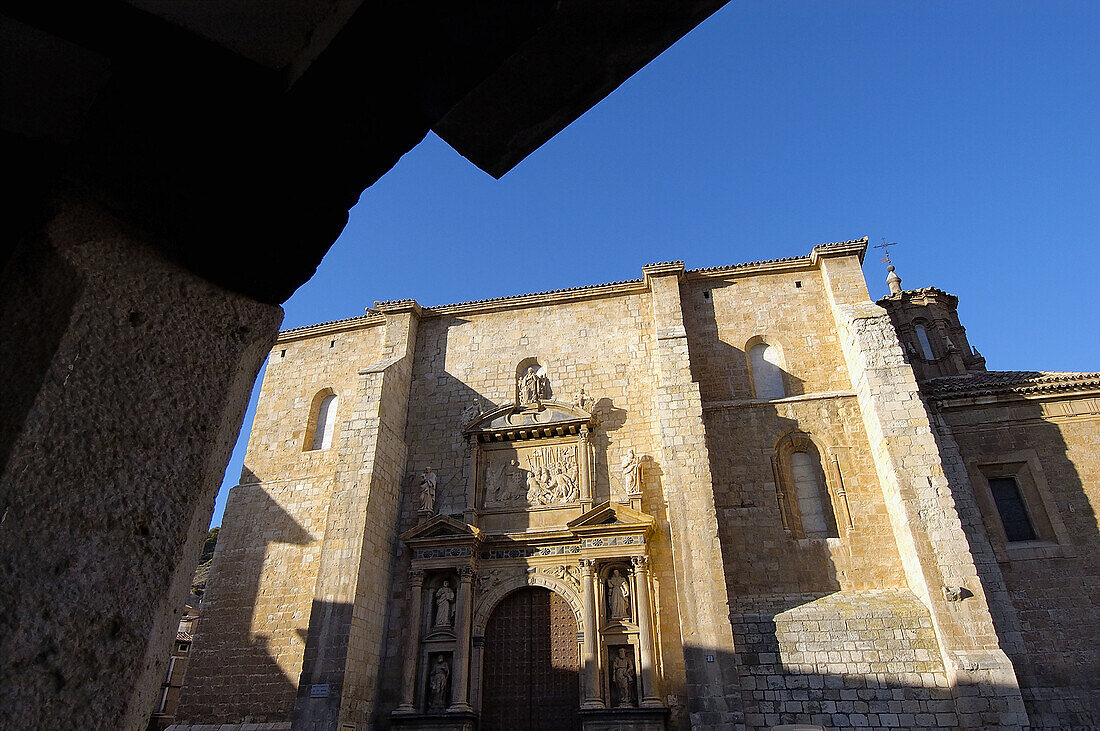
x,y
886,249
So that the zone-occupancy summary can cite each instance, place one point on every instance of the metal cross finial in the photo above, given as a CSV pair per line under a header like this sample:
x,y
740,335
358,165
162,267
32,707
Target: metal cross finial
x,y
886,249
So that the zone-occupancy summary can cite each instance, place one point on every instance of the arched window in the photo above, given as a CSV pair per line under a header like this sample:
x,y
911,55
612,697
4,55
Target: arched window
x,y
324,423
767,376
811,505
804,501
925,343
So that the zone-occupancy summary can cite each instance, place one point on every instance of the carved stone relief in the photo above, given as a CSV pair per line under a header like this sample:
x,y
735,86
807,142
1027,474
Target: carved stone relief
x,y
532,476
566,574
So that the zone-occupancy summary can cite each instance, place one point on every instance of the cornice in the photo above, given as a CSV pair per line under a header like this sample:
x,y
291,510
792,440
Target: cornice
x,y
376,316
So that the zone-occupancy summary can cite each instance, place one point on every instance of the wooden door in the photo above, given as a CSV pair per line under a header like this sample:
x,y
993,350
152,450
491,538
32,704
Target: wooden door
x,y
530,676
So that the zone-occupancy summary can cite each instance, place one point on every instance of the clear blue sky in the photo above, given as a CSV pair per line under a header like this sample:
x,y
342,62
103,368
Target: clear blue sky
x,y
967,131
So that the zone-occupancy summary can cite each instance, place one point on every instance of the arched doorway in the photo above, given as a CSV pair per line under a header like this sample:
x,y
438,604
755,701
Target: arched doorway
x,y
530,672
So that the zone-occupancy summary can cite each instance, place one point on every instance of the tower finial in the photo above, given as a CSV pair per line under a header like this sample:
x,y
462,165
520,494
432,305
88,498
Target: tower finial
x,y
892,279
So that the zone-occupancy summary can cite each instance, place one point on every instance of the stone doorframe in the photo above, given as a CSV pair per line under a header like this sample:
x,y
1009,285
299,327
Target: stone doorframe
x,y
488,603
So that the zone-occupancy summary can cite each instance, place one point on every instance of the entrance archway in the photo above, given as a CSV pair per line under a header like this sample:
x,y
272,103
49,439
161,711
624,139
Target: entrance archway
x,y
531,668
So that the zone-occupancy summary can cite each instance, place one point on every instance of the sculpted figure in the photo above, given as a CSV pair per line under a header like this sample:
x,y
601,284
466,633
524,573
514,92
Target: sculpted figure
x,y
632,473
507,484
427,491
582,400
618,596
444,600
622,671
472,411
438,684
564,488
530,390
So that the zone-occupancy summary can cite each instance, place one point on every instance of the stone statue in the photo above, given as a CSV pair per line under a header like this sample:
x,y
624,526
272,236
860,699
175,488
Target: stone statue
x,y
439,684
444,601
582,400
622,671
632,473
618,596
427,491
532,387
472,411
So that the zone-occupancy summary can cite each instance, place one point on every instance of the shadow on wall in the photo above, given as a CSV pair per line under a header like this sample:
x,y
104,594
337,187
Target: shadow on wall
x,y
776,694
233,672
1050,618
725,372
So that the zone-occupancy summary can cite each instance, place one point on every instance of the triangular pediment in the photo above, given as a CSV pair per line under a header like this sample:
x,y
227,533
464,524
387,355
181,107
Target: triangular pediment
x,y
440,527
610,516
549,418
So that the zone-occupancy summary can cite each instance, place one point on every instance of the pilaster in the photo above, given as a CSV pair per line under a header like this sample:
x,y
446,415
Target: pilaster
x,y
343,649
710,667
924,515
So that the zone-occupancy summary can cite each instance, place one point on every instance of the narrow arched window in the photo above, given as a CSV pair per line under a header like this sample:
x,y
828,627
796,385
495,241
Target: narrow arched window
x,y
925,343
809,489
325,423
767,376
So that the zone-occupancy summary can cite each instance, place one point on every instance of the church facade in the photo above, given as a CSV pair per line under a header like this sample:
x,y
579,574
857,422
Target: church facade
x,y
734,497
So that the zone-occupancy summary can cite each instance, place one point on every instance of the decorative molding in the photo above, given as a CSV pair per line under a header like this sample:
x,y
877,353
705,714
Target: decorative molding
x,y
493,554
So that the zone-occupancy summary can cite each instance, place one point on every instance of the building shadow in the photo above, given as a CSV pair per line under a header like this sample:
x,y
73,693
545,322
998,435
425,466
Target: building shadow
x,y
1044,594
235,671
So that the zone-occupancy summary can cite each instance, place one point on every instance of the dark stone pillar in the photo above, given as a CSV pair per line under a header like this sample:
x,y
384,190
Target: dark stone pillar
x,y
124,383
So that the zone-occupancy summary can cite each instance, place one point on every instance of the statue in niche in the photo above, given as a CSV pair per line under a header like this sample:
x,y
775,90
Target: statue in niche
x,y
439,683
632,473
618,596
427,491
622,672
531,387
444,605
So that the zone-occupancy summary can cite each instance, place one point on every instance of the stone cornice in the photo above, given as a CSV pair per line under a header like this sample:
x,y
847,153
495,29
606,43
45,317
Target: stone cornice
x,y
374,317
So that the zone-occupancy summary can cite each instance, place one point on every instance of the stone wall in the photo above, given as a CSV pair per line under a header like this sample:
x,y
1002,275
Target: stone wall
x,y
1053,583
865,659
256,612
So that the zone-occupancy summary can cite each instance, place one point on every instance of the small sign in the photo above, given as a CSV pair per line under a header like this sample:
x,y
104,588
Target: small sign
x,y
318,691
710,658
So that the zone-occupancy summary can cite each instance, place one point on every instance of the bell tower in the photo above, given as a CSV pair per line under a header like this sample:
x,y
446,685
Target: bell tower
x,y
927,323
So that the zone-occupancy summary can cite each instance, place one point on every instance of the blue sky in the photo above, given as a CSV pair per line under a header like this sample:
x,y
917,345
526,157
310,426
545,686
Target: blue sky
x,y
969,132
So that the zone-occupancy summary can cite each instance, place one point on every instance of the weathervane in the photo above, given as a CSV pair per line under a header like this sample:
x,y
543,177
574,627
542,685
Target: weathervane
x,y
886,249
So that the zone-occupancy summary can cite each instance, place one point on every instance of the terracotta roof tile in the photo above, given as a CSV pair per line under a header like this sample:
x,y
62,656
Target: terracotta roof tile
x,y
996,382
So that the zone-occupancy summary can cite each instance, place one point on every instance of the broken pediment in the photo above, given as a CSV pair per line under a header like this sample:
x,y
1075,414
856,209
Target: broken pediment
x,y
440,528
611,517
548,419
